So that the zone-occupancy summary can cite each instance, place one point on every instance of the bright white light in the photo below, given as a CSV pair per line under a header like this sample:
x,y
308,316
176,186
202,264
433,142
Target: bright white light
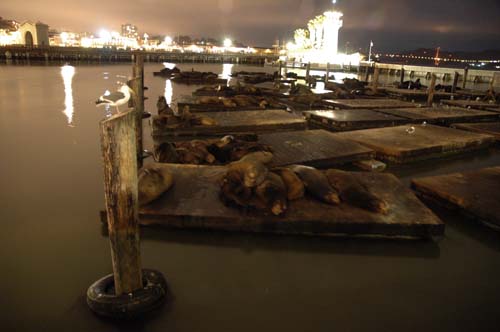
x,y
228,43
105,35
169,65
169,92
227,70
168,41
64,37
67,73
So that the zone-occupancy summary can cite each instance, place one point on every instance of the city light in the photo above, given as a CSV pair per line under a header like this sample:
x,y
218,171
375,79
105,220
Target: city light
x,y
228,43
168,40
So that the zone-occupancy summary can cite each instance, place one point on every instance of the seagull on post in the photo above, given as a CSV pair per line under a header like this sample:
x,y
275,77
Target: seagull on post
x,y
118,98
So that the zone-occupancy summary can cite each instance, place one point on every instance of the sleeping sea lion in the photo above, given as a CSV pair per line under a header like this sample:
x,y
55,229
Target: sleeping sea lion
x,y
353,192
316,184
272,193
233,189
153,182
165,153
251,173
294,186
263,157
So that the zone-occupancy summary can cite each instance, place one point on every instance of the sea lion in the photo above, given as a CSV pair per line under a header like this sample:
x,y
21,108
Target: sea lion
x,y
227,102
353,192
153,182
165,153
263,157
294,185
233,189
272,193
250,172
316,183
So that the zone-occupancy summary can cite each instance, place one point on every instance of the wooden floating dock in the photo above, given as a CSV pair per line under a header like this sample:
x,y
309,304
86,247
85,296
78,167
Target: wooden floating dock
x,y
348,120
199,81
443,115
406,144
415,94
481,105
368,103
316,148
249,122
490,128
196,107
474,194
194,203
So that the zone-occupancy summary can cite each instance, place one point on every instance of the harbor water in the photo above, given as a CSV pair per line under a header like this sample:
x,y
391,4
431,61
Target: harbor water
x,y
52,244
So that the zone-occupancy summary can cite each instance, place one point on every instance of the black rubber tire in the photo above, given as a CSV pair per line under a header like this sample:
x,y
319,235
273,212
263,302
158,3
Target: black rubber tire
x,y
102,300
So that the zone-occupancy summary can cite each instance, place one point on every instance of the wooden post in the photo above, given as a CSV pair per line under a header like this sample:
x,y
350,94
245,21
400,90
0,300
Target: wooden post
x,y
118,141
493,81
367,74
327,75
137,85
402,79
280,69
308,72
466,74
455,82
376,75
432,90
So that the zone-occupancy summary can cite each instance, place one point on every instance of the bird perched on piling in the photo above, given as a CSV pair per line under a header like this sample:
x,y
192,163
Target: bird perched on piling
x,y
117,98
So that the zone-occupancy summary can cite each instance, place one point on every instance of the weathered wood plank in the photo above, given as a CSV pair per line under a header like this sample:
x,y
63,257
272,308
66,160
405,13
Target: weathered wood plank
x,y
415,94
474,193
418,142
317,148
368,103
195,107
471,103
194,203
491,128
238,123
442,115
348,120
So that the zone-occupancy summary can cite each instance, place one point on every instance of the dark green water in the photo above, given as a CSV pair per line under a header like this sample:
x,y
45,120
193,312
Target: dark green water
x,y
52,246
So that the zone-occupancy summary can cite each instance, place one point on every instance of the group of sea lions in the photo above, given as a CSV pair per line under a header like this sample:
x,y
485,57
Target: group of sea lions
x,y
240,101
207,152
228,91
249,183
168,118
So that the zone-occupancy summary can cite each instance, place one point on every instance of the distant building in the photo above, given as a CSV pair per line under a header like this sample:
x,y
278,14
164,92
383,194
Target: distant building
x,y
130,31
34,34
9,34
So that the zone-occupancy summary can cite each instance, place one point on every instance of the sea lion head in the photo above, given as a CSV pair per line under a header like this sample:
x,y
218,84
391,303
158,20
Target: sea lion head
x,y
254,175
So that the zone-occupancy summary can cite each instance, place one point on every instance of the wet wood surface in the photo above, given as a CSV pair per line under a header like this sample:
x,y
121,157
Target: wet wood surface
x,y
194,203
347,120
471,103
443,115
410,143
317,148
490,128
195,107
476,194
369,103
238,123
416,94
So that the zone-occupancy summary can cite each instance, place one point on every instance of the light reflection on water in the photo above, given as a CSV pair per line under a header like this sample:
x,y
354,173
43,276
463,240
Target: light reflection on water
x,y
67,73
227,70
169,92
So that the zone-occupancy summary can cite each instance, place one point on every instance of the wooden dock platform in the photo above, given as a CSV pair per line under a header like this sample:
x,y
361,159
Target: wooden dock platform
x,y
443,115
411,143
490,128
248,122
194,203
480,105
366,103
348,120
474,194
196,107
316,148
407,94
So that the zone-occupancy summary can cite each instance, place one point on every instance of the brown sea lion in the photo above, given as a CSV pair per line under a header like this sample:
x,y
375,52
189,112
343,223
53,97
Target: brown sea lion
x,y
233,189
227,102
263,157
316,184
272,193
153,182
294,185
251,173
355,193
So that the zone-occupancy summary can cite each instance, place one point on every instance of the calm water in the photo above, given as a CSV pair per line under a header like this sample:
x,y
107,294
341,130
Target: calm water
x,y
52,246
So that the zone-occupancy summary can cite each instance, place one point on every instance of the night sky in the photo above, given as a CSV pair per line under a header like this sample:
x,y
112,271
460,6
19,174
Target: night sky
x,y
392,24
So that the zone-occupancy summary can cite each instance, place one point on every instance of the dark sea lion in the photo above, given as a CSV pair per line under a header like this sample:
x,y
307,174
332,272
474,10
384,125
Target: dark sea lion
x,y
272,193
355,193
294,185
165,153
316,184
234,191
153,182
250,172
263,157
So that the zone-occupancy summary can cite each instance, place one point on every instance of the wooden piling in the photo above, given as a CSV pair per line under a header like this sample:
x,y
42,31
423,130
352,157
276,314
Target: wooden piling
x,y
402,78
455,82
327,75
376,75
137,85
308,72
432,90
118,142
280,69
466,74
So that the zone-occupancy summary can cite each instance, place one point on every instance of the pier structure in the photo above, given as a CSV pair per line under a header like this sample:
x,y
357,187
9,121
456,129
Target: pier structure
x,y
21,53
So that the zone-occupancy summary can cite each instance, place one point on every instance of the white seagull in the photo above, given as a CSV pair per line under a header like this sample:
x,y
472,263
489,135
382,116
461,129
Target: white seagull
x,y
118,98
